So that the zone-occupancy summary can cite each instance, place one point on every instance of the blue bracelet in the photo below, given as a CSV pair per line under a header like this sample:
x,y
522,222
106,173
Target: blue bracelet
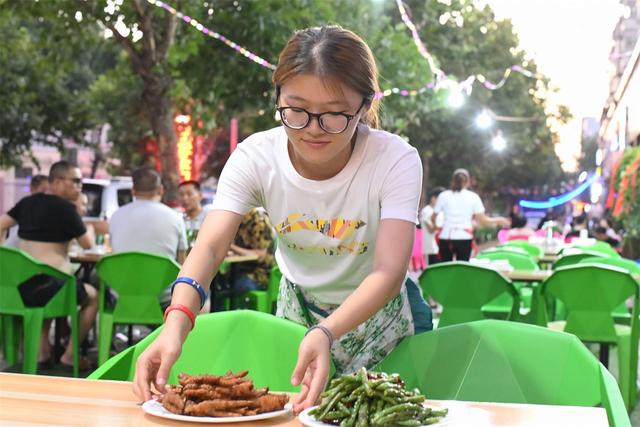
x,y
194,284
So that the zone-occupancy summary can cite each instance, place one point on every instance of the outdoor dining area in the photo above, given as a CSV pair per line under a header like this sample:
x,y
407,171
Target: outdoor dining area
x,y
523,338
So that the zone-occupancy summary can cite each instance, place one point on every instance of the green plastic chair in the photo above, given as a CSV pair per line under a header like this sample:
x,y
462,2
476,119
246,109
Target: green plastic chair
x,y
621,313
600,247
574,256
518,261
464,289
505,248
498,361
264,301
591,292
533,250
230,340
15,268
139,279
625,263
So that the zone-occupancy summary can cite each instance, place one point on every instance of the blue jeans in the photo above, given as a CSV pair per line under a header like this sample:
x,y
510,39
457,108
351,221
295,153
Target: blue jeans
x,y
420,310
244,284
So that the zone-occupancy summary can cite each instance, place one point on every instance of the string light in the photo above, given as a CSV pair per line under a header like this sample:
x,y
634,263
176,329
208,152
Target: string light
x,y
213,34
439,81
440,75
561,200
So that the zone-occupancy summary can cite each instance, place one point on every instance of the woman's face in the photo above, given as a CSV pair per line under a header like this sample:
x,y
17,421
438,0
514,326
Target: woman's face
x,y
315,153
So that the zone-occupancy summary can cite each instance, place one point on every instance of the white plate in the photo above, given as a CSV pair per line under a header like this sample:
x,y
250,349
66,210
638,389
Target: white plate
x,y
453,415
155,408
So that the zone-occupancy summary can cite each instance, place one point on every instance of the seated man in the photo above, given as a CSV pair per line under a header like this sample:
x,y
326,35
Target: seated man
x,y
148,225
194,213
47,222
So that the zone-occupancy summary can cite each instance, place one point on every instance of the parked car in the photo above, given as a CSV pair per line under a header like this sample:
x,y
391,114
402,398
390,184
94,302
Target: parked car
x,y
105,196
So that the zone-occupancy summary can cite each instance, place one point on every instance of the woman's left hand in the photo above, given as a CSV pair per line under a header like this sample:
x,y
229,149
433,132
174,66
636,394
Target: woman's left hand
x,y
312,369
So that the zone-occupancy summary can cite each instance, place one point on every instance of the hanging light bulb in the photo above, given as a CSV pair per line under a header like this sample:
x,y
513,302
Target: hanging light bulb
x,y
484,120
498,142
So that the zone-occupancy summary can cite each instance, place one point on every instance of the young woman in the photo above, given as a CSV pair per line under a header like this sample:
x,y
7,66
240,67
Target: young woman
x,y
460,206
343,198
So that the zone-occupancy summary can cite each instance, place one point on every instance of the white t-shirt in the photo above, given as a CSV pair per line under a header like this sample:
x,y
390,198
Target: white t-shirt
x,y
429,244
147,226
196,223
326,229
458,208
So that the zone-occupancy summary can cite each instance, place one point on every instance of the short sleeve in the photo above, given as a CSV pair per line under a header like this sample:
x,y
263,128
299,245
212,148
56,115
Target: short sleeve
x,y
238,188
74,225
16,211
477,206
425,216
401,188
439,203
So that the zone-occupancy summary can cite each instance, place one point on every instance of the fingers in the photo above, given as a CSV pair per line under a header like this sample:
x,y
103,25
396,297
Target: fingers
x,y
318,381
142,377
166,362
304,358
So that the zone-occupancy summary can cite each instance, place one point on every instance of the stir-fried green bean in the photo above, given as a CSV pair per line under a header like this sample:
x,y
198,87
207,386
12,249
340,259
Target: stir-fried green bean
x,y
370,399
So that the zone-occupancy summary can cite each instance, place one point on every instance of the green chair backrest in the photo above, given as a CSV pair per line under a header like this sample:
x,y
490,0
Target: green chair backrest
x,y
625,263
600,247
590,293
17,266
464,288
574,257
139,278
532,249
232,340
498,361
273,286
504,248
516,260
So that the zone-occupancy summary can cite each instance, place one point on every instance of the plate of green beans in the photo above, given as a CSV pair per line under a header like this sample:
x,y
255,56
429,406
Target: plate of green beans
x,y
371,399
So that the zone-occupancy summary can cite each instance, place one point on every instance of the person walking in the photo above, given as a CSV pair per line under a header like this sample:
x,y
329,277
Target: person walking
x,y
460,207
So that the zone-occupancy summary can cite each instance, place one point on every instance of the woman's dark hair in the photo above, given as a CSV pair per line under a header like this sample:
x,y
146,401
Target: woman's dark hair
x,y
336,56
518,221
460,179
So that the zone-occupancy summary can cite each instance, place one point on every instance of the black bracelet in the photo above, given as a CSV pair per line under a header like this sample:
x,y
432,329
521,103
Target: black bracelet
x,y
324,329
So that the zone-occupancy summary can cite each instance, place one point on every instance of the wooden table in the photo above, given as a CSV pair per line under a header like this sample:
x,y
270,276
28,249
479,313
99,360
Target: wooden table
x,y
528,275
41,400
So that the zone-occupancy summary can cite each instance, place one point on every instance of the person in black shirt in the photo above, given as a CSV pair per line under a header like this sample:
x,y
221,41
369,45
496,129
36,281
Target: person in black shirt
x,y
47,222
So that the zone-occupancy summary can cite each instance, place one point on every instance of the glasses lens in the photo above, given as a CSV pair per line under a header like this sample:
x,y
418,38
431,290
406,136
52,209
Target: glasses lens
x,y
334,123
295,118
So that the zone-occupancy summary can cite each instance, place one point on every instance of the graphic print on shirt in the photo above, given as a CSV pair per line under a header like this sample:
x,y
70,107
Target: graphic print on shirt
x,y
337,228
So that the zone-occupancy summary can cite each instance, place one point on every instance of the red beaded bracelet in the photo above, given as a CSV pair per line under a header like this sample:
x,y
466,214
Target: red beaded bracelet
x,y
183,308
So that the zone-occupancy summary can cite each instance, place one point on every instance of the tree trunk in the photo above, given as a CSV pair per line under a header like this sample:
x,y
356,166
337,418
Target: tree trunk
x,y
157,102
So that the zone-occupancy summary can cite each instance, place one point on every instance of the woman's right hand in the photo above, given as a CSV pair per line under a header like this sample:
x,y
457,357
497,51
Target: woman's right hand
x,y
154,364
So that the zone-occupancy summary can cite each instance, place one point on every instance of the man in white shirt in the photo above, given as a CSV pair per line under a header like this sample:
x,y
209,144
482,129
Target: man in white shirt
x,y
190,198
146,224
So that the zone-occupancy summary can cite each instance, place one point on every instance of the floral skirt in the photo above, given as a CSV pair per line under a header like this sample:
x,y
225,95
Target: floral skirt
x,y
368,343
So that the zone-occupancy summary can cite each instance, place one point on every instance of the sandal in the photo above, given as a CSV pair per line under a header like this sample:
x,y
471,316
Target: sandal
x,y
84,364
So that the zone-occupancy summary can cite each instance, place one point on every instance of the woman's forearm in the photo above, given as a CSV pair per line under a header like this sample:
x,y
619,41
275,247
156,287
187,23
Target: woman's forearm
x,y
377,289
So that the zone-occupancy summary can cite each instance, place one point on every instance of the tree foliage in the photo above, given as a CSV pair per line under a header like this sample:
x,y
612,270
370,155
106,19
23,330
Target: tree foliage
x,y
207,79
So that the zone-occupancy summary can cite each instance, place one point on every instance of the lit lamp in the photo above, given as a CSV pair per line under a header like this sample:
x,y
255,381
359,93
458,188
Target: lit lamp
x,y
498,142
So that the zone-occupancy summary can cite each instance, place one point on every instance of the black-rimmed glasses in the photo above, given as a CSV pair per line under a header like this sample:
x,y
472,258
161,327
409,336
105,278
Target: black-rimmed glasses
x,y
330,122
